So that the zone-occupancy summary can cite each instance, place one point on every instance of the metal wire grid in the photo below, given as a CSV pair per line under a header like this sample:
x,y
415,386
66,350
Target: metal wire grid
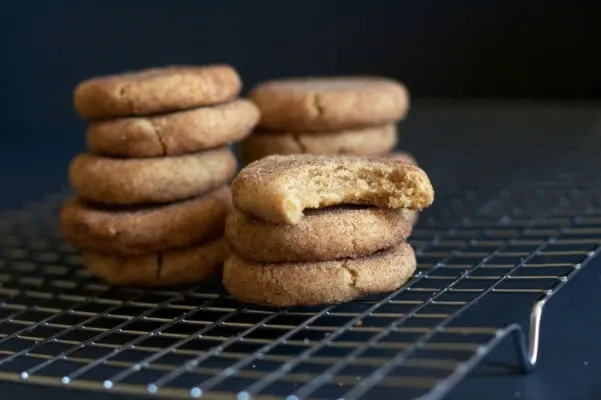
x,y
59,326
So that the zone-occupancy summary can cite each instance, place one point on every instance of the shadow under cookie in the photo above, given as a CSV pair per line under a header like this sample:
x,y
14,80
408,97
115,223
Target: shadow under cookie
x,y
321,235
315,283
196,264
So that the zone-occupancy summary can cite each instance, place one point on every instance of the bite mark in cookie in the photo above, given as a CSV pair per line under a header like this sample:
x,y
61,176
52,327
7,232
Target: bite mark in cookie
x,y
279,188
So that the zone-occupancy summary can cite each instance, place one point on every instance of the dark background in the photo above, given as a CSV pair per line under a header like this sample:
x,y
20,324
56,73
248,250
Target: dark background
x,y
439,48
510,49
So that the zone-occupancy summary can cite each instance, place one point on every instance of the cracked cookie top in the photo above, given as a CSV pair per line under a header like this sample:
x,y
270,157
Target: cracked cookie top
x,y
330,103
176,133
155,90
195,264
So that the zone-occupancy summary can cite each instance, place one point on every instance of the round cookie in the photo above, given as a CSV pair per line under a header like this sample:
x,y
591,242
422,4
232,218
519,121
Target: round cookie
x,y
330,103
177,267
142,230
323,234
314,283
155,90
278,188
173,134
371,141
129,181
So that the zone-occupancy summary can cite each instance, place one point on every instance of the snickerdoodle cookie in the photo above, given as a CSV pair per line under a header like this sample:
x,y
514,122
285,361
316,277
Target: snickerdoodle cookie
x,y
313,283
155,90
323,234
372,141
134,231
278,188
330,103
176,267
176,133
127,181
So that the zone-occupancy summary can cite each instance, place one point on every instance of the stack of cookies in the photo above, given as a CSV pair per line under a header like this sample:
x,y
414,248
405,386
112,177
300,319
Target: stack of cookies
x,y
153,189
313,229
351,115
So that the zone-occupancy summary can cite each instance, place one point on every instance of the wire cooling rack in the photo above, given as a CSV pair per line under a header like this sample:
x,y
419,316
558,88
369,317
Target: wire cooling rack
x,y
487,254
59,326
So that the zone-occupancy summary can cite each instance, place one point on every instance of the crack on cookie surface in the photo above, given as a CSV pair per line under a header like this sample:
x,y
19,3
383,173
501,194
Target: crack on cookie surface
x,y
316,104
353,238
157,132
352,273
297,139
279,287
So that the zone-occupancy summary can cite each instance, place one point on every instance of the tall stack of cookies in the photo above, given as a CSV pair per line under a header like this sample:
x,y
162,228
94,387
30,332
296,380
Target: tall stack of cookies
x,y
313,229
153,189
351,115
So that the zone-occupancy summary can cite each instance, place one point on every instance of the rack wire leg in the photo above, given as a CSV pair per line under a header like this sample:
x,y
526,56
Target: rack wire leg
x,y
528,352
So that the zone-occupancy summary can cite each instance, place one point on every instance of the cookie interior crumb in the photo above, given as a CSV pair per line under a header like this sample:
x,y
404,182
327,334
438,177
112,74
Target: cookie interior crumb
x,y
320,187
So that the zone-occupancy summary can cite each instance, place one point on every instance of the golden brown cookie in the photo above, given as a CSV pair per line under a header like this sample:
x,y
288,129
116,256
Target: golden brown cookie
x,y
135,231
177,267
323,234
361,142
330,103
314,283
156,90
278,188
173,134
128,181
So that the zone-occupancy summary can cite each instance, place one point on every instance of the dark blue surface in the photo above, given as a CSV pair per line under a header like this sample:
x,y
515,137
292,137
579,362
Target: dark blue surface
x,y
569,365
461,48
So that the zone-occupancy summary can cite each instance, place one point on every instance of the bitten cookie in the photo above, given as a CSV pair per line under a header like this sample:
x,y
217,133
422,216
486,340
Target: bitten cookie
x,y
155,90
314,283
141,230
120,181
361,142
323,234
330,103
278,188
178,267
173,134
